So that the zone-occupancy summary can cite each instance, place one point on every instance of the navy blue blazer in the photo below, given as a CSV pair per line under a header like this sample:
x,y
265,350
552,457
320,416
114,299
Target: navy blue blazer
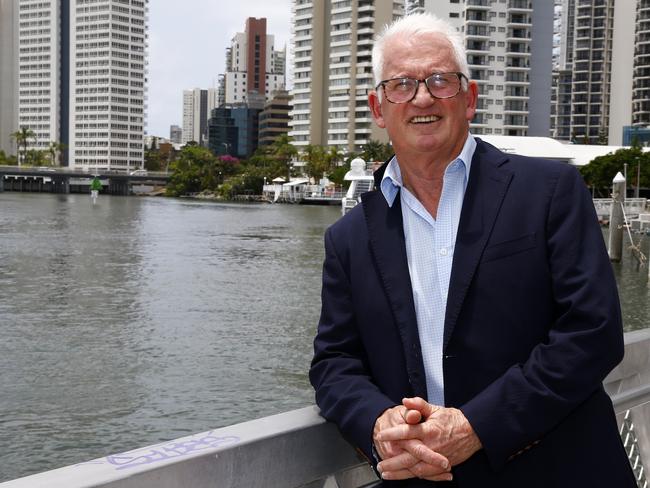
x,y
532,327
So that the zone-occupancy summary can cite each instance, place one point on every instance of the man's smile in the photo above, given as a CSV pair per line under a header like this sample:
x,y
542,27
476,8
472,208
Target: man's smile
x,y
424,119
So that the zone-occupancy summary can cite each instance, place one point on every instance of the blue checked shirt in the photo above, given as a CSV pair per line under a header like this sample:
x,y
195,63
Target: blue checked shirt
x,y
430,252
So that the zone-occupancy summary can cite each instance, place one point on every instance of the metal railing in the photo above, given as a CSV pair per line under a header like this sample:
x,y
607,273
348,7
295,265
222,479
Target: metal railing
x,y
633,206
298,449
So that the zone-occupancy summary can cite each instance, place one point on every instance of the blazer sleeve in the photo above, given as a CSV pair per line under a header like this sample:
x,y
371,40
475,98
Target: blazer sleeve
x,y
584,343
339,372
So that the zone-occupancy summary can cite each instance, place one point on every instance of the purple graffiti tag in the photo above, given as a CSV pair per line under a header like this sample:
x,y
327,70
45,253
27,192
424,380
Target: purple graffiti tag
x,y
163,452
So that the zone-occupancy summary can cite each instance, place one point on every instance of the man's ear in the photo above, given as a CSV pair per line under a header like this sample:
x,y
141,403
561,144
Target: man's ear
x,y
375,107
472,100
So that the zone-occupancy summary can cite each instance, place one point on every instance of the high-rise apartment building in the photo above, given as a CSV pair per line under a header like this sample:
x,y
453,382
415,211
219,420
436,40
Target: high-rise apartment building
x,y
252,65
175,134
274,118
8,72
40,51
197,106
80,78
108,44
593,95
509,49
332,75
641,80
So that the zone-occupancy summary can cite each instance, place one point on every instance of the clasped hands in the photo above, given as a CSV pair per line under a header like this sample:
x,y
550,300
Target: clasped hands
x,y
421,440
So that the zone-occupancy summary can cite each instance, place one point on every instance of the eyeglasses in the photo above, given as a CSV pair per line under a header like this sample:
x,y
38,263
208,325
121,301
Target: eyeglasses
x,y
439,85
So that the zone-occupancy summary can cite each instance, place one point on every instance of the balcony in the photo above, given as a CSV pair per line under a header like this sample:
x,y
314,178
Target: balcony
x,y
517,77
473,60
476,31
518,47
515,121
519,19
476,16
521,34
473,45
517,63
520,5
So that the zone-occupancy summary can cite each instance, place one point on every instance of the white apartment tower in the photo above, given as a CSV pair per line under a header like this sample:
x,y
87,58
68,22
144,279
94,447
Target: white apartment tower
x,y
197,106
509,49
40,46
252,65
641,82
8,72
332,70
108,44
80,77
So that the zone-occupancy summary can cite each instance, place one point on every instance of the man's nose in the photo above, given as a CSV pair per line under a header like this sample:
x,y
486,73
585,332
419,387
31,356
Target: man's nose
x,y
422,95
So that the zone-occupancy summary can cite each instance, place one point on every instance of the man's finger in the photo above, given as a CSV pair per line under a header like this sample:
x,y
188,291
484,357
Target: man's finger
x,y
416,452
412,417
404,460
419,470
421,405
401,432
402,474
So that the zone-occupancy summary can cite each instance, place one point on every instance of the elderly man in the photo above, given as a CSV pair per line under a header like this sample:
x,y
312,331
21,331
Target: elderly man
x,y
469,311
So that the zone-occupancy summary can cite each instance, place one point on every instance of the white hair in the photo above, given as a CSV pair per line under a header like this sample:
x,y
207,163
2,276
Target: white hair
x,y
412,26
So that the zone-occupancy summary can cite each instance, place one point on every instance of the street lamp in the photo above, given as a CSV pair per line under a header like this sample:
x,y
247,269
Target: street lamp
x,y
227,146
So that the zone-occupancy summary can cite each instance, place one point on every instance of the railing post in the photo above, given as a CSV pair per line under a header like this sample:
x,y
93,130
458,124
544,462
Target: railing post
x,y
616,219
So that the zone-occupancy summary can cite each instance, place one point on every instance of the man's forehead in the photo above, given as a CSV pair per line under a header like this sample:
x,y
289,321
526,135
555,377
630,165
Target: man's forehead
x,y
422,52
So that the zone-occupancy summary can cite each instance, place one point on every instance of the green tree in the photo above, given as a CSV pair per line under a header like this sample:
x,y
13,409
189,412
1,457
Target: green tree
x,y
600,172
7,160
376,151
22,138
317,162
195,170
334,156
153,160
337,174
54,150
36,157
274,159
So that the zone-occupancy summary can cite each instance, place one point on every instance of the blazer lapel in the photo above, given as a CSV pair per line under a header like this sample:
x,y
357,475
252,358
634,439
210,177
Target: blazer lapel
x,y
486,188
386,235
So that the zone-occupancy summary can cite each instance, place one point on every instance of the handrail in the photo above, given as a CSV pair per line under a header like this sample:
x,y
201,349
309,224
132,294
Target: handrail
x,y
299,449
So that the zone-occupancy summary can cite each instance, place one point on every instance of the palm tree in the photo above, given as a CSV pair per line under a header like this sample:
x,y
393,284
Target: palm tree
x,y
55,149
376,151
22,138
334,156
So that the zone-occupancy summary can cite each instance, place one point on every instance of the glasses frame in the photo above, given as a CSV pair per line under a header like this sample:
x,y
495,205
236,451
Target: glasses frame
x,y
424,80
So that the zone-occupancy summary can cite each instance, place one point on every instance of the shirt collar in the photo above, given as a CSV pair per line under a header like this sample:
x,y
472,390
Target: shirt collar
x,y
392,179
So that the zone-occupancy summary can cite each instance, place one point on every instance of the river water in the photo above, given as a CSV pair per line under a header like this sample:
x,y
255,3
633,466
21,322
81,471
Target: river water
x,y
139,320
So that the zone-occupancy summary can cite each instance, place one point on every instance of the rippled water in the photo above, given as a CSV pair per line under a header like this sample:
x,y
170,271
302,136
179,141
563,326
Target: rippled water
x,y
139,320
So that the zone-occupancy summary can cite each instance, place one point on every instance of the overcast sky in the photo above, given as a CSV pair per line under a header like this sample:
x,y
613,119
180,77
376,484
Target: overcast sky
x,y
187,43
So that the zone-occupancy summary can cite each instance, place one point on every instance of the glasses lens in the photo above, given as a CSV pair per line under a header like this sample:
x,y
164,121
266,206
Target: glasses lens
x,y
400,90
443,85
